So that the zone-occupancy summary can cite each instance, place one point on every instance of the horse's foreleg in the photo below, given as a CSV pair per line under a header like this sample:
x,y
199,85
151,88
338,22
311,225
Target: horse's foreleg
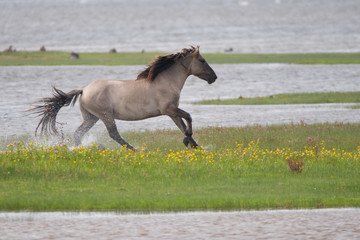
x,y
114,133
187,130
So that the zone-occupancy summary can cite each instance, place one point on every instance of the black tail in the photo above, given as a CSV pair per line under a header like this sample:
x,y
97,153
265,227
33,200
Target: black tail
x,y
49,107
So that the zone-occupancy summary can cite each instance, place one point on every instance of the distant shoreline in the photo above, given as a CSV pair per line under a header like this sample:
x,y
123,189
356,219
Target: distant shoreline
x,y
290,98
50,58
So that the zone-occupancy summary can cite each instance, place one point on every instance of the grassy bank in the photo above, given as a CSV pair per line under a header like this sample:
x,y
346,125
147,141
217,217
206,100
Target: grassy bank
x,y
241,168
291,98
62,58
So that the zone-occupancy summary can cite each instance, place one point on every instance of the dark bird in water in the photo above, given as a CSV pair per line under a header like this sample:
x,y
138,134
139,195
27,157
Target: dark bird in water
x,y
74,55
10,49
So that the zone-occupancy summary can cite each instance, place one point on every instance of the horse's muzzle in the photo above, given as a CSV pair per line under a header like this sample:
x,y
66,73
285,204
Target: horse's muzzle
x,y
212,79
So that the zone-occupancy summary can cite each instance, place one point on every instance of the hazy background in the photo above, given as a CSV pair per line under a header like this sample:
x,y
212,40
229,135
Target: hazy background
x,y
169,25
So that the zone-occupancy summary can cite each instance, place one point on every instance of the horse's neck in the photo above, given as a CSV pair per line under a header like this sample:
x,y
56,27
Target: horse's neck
x,y
174,76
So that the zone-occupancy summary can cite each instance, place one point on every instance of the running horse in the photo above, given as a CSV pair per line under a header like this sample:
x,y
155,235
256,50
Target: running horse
x,y
155,92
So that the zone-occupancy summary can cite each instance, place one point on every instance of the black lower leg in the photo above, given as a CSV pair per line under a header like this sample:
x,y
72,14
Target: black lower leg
x,y
189,140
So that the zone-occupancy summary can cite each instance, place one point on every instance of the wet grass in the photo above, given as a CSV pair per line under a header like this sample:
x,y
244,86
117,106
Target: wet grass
x,y
292,58
131,58
238,168
291,98
62,58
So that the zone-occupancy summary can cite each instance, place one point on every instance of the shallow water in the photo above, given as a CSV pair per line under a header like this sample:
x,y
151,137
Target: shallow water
x,y
23,85
282,224
169,25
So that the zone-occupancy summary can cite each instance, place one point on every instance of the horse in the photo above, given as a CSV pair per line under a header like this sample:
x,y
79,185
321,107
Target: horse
x,y
155,92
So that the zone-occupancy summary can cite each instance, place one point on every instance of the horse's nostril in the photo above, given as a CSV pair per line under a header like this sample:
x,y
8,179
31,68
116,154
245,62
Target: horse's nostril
x,y
210,81
214,78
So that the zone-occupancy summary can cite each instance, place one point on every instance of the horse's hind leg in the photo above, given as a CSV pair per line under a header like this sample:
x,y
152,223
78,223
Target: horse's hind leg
x,y
89,121
114,133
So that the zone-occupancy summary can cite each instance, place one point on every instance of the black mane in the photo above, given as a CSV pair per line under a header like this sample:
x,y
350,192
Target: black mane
x,y
162,63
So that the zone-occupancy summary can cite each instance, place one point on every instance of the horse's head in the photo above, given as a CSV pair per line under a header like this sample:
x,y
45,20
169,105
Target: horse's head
x,y
199,67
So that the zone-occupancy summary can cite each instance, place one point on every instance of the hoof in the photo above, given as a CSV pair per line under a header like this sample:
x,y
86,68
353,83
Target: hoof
x,y
128,147
186,141
190,140
193,144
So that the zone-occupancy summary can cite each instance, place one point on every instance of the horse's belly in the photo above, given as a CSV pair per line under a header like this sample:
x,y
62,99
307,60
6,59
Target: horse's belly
x,y
129,117
129,113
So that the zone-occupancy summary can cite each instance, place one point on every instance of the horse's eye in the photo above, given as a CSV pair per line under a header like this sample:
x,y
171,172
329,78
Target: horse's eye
x,y
202,60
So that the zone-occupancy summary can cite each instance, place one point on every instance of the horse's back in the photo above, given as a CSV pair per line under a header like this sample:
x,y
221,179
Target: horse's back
x,y
124,99
100,87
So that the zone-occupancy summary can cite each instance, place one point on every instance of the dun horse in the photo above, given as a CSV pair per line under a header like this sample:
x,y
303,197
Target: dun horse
x,y
155,92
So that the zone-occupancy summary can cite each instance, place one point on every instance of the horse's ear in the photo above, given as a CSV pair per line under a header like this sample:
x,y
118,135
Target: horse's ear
x,y
196,51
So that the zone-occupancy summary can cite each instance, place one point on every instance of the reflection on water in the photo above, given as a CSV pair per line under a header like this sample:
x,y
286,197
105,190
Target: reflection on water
x,y
23,85
283,224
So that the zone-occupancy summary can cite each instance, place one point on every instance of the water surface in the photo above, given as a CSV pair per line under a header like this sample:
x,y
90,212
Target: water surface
x,y
281,224
168,25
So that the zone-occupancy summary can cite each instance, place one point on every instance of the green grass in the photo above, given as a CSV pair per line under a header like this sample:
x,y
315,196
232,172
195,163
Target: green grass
x,y
132,58
294,58
291,98
241,168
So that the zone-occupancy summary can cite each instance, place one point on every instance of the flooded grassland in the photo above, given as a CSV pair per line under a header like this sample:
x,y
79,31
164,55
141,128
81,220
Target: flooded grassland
x,y
23,85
